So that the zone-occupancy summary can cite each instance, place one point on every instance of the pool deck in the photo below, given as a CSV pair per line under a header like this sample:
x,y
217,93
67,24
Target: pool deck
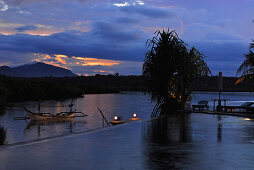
x,y
239,114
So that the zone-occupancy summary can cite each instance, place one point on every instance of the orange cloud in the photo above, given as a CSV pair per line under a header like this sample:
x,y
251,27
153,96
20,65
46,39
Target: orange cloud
x,y
96,61
9,28
103,71
66,62
46,57
59,58
55,64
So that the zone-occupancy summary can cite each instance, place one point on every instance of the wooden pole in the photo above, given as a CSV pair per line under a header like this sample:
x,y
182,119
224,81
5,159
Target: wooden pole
x,y
103,117
220,88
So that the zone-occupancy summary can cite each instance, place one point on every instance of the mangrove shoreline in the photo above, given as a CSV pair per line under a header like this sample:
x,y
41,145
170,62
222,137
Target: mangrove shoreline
x,y
17,89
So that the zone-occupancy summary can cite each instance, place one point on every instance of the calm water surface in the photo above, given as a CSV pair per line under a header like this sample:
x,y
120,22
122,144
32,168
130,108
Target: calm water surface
x,y
194,141
123,104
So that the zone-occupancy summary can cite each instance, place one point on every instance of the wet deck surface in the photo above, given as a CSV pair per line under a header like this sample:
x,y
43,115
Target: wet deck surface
x,y
234,113
195,141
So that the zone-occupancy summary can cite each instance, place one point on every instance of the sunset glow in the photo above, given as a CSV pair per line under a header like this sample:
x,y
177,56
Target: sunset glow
x,y
96,62
112,35
61,59
55,64
103,71
66,62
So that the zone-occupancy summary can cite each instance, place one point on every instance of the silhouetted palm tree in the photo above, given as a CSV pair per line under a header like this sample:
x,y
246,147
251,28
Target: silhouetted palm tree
x,y
169,68
247,67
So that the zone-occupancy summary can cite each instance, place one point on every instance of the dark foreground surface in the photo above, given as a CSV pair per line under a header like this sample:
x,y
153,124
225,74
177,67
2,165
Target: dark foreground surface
x,y
195,141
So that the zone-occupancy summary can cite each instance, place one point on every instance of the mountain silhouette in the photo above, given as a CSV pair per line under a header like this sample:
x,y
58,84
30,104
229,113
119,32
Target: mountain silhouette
x,y
38,69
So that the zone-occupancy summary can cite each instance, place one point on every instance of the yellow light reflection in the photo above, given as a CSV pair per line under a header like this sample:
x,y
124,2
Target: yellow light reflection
x,y
246,118
239,80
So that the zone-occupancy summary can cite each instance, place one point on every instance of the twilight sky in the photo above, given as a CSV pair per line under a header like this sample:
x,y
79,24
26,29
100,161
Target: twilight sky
x,y
109,36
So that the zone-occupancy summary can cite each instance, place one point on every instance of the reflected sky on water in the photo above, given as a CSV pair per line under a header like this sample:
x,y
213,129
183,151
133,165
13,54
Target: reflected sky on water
x,y
194,141
199,141
191,141
123,104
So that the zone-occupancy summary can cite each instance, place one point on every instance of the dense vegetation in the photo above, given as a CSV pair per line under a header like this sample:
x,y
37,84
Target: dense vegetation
x,y
247,67
20,89
23,89
169,69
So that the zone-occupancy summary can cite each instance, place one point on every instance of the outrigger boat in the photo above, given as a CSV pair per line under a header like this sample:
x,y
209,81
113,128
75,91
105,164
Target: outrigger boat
x,y
46,116
50,116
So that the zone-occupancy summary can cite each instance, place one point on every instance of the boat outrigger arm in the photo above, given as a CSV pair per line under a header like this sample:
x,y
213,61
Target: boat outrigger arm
x,y
45,116
60,115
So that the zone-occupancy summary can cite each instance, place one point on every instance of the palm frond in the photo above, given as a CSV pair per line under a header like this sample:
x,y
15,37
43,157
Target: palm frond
x,y
169,68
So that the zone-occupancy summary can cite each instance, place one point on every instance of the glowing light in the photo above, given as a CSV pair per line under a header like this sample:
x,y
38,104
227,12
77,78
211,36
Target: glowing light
x,y
246,119
134,115
239,80
115,118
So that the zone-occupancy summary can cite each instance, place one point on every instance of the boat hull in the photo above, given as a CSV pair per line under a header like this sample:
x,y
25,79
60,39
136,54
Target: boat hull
x,y
36,116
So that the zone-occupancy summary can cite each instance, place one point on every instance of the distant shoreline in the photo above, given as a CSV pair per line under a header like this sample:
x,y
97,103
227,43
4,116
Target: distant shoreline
x,y
15,89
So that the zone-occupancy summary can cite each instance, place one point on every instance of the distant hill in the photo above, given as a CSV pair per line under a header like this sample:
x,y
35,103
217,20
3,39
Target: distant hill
x,y
38,69
5,70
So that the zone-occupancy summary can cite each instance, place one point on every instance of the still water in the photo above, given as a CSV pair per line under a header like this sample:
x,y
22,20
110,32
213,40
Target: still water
x,y
192,141
123,104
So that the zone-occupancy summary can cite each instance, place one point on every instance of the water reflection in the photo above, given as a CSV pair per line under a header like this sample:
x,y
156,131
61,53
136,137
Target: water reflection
x,y
219,129
2,136
169,129
123,104
198,140
162,138
40,123
248,130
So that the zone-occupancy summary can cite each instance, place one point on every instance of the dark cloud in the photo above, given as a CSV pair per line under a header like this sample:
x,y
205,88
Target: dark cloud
x,y
14,58
114,32
26,28
125,20
222,50
225,56
148,11
105,44
118,32
125,68
21,2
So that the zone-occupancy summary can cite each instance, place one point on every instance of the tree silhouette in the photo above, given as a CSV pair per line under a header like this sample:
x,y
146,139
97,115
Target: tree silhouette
x,y
169,68
247,67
